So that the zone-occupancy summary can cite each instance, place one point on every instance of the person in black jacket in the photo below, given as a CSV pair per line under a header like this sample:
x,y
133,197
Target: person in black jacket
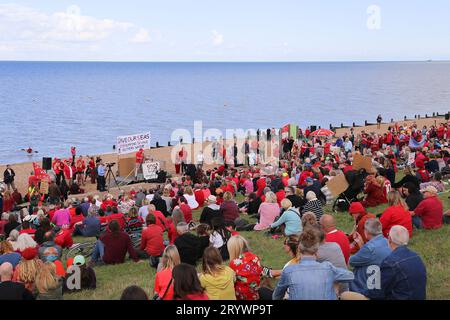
x,y
8,177
413,195
160,204
297,201
189,245
10,290
210,211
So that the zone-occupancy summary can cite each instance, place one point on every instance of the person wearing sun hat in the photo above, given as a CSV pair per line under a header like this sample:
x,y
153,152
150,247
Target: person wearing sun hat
x,y
430,211
360,216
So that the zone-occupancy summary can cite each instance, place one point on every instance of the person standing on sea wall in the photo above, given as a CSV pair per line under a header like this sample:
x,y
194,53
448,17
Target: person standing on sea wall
x,y
379,119
8,177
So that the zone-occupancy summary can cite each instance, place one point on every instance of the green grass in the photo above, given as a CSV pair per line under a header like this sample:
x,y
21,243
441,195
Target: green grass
x,y
433,246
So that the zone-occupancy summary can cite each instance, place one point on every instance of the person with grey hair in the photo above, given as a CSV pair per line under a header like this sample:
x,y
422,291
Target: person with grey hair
x,y
402,275
189,245
367,261
310,279
12,290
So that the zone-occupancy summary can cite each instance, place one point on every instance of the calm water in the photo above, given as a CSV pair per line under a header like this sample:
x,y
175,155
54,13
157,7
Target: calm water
x,y
51,106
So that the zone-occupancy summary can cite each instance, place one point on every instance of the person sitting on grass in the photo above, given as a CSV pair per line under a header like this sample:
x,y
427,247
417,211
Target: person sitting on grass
x,y
247,268
210,211
188,245
89,227
49,286
290,219
152,241
430,211
220,236
133,293
313,204
113,246
163,287
269,210
88,278
436,181
360,216
217,279
309,279
402,274
12,290
186,284
332,234
396,214
371,254
7,254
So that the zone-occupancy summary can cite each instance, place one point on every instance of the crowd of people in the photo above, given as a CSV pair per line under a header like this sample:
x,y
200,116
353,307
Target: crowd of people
x,y
191,229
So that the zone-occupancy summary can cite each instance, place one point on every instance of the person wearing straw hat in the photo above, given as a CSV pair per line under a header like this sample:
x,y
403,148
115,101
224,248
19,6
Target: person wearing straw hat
x,y
429,213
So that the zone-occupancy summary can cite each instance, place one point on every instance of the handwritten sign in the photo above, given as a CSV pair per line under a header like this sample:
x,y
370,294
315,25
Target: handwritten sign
x,y
150,170
132,143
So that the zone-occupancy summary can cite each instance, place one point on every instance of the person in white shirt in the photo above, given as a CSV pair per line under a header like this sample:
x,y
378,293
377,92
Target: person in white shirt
x,y
200,160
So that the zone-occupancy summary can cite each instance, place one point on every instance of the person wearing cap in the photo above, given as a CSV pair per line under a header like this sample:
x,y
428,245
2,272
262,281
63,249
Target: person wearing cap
x,y
360,216
87,274
211,211
430,212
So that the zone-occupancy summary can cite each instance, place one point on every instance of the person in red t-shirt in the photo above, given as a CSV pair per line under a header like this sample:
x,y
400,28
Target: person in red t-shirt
x,y
139,161
332,234
396,214
80,168
152,241
430,211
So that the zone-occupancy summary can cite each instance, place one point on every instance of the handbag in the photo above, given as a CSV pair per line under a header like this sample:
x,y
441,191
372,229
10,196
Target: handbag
x,y
157,297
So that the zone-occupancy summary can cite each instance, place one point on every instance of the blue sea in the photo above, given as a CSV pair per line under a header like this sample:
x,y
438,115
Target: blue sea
x,y
50,106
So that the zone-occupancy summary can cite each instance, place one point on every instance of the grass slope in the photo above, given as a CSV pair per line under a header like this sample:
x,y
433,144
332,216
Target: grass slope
x,y
433,246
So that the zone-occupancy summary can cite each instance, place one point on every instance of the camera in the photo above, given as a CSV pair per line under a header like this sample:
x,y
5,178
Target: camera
x,y
110,164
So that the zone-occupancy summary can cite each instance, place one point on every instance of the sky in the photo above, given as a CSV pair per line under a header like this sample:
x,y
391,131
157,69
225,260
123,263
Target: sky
x,y
225,30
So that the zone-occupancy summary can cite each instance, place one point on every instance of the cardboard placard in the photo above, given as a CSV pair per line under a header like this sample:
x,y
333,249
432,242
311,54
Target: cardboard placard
x,y
338,185
362,162
44,187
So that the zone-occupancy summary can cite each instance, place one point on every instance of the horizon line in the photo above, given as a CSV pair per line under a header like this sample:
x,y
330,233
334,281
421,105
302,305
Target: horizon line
x,y
229,61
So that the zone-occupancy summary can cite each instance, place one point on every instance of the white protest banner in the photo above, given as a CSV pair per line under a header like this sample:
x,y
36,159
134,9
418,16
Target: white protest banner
x,y
132,143
150,170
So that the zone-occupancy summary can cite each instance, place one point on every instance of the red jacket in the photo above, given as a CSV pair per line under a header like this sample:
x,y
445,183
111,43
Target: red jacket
x,y
116,248
396,215
120,219
199,197
187,212
152,240
64,238
161,220
431,211
260,184
341,239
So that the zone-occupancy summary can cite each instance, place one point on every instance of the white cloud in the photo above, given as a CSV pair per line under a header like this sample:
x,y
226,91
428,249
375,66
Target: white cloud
x,y
23,23
217,38
142,36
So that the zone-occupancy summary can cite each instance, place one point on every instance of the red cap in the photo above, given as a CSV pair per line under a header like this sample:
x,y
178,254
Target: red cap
x,y
420,164
356,207
29,253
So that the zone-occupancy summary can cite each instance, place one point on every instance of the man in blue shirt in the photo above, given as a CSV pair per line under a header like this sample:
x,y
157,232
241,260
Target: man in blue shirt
x,y
403,273
309,279
101,182
367,261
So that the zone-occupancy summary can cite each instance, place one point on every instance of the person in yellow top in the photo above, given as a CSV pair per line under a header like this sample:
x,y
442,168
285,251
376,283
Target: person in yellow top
x,y
217,278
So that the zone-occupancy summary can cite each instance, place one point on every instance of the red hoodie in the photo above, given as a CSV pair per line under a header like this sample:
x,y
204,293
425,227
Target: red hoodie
x,y
396,215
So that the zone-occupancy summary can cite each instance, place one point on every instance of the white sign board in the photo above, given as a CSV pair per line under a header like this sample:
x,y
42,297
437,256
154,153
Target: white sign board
x,y
150,170
411,158
132,143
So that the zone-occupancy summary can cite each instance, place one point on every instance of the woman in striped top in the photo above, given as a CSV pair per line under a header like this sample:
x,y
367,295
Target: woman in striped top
x,y
314,205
